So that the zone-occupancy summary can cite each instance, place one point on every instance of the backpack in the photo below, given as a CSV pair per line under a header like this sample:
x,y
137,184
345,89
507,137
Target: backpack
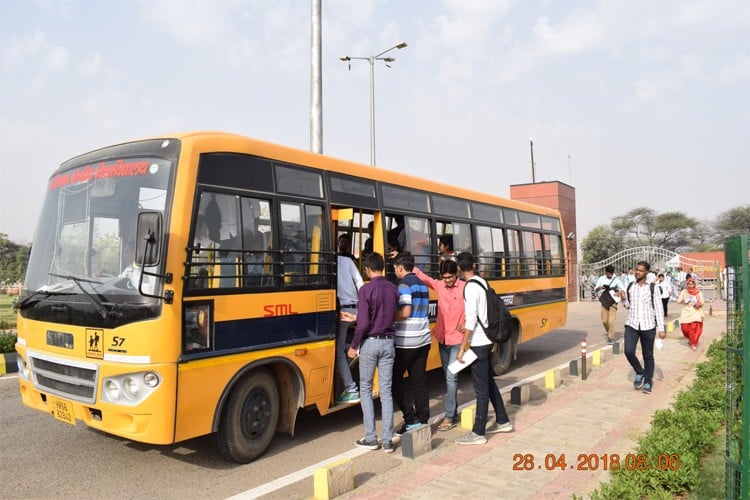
x,y
499,321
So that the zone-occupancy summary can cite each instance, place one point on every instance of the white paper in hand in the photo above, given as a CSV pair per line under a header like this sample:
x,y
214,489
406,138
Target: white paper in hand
x,y
457,366
659,343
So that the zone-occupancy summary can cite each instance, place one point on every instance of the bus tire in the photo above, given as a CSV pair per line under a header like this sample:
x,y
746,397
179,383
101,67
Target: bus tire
x,y
502,356
249,419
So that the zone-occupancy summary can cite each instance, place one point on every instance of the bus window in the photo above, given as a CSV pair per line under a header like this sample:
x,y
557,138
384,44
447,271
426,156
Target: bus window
x,y
528,260
302,243
457,234
257,238
490,252
216,256
411,234
513,260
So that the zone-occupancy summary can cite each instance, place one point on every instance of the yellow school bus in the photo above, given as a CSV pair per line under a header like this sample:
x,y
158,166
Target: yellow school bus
x,y
186,285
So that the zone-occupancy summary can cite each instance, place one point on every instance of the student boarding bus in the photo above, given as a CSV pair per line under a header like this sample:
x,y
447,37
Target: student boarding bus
x,y
186,285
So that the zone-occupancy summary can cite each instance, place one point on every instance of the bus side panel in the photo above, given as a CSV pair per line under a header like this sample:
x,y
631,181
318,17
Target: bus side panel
x,y
542,319
203,383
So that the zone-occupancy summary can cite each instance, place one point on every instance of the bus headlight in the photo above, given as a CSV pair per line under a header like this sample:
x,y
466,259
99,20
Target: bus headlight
x,y
151,379
23,369
130,388
111,390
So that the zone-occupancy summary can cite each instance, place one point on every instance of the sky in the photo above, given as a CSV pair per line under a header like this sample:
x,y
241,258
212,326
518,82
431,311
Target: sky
x,y
632,102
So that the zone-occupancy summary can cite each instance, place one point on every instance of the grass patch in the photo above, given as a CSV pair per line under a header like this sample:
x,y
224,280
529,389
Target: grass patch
x,y
7,313
711,479
7,323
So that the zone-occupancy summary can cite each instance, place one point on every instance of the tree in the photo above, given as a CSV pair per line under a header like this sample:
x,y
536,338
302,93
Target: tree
x,y
13,260
600,243
644,227
733,221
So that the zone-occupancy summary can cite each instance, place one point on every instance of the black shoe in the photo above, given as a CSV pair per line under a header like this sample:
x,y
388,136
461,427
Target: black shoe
x,y
368,445
401,431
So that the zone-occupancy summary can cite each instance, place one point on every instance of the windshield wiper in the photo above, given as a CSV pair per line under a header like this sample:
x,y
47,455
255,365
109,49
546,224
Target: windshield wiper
x,y
98,304
45,290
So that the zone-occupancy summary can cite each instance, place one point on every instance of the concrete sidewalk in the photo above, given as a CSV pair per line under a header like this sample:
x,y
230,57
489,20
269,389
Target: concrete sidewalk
x,y
602,415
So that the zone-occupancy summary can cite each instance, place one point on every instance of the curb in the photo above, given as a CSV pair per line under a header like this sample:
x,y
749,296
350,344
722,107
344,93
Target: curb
x,y
8,363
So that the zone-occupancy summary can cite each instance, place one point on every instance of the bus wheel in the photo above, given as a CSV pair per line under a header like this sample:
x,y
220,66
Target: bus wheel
x,y
502,356
248,422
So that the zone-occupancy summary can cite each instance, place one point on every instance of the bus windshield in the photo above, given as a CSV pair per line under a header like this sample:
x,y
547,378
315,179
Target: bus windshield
x,y
83,252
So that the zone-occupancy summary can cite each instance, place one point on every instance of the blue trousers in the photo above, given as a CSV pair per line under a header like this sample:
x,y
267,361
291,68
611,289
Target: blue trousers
x,y
647,337
380,354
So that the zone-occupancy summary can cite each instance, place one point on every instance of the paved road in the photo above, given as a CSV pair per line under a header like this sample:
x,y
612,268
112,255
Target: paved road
x,y
46,458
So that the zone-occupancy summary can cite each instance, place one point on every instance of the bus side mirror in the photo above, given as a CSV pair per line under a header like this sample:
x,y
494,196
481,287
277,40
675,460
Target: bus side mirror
x,y
148,239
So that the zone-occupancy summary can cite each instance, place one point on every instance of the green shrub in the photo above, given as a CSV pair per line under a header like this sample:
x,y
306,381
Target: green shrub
x,y
7,342
679,437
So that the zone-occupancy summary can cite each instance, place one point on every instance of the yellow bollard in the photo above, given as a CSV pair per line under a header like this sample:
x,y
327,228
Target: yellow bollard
x,y
467,417
596,358
670,327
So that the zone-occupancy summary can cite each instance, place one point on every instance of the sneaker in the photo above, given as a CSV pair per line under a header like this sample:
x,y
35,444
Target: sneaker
x,y
495,428
638,382
388,446
368,445
646,388
472,438
408,427
348,397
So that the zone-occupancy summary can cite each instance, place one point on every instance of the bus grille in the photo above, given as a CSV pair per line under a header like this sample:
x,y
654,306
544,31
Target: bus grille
x,y
73,381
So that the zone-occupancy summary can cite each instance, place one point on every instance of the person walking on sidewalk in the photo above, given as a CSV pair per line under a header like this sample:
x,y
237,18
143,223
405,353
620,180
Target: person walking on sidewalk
x,y
485,388
607,283
645,318
373,336
450,316
413,341
665,288
691,317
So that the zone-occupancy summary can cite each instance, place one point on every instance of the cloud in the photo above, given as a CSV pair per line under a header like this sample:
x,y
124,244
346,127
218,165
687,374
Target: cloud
x,y
18,51
55,58
581,31
737,71
91,66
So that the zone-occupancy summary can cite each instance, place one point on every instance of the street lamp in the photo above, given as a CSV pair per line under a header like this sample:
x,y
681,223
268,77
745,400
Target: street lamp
x,y
371,60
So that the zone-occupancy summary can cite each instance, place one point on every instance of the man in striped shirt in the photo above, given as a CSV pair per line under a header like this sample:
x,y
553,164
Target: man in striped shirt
x,y
645,318
413,340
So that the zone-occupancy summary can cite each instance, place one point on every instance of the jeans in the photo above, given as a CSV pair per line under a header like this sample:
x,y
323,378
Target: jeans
x,y
411,393
486,390
447,356
647,338
342,364
380,354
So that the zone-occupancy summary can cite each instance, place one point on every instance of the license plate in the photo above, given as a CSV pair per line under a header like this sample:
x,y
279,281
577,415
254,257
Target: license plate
x,y
62,410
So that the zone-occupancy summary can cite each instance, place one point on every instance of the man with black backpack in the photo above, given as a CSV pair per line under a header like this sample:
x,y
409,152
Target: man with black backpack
x,y
645,318
485,388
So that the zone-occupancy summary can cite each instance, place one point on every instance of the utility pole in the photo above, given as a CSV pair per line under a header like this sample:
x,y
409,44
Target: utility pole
x,y
316,79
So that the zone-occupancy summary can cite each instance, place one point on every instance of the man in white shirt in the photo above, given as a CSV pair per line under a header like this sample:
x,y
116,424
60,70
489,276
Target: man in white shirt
x,y
645,318
485,388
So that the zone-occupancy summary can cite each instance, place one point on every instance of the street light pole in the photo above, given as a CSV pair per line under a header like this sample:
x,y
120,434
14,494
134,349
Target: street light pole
x,y
371,60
